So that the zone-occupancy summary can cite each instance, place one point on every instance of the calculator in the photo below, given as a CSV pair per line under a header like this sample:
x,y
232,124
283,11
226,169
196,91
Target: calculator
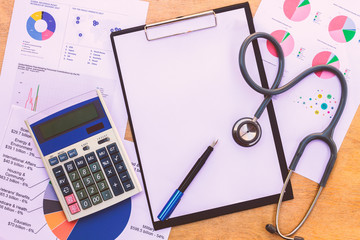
x,y
83,154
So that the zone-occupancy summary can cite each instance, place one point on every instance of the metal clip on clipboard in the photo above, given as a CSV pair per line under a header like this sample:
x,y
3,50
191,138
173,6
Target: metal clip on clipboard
x,y
180,25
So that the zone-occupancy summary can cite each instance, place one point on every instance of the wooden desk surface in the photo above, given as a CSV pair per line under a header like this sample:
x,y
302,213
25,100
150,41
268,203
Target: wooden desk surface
x,y
337,213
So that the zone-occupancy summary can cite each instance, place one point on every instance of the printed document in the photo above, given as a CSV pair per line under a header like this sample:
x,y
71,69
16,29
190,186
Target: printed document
x,y
57,50
312,33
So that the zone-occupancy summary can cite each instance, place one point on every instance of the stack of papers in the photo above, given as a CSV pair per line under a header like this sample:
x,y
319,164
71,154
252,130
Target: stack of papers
x,y
57,50
312,33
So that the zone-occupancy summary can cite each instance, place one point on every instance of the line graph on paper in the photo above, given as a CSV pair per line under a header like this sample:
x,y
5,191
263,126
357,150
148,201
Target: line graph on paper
x,y
37,88
32,99
27,90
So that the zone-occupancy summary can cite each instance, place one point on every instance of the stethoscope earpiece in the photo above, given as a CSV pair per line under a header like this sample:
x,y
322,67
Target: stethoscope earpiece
x,y
272,229
246,132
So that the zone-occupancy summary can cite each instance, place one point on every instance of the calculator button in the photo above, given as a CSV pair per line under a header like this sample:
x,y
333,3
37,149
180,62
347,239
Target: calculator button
x,y
53,161
110,171
66,190
102,186
94,167
81,194
103,140
90,157
80,162
70,166
74,208
86,148
62,180
116,158
85,203
105,162
84,171
128,185
124,176
63,157
72,153
101,153
70,199
88,180
120,167
106,195
112,148
99,176
96,199
116,185
74,176
78,185
92,190
58,171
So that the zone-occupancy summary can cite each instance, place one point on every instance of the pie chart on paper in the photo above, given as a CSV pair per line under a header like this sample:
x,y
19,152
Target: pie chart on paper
x,y
105,224
297,10
286,41
41,18
342,29
326,58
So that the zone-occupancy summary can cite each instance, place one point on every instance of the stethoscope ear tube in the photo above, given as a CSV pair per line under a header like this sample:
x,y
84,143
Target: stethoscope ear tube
x,y
333,154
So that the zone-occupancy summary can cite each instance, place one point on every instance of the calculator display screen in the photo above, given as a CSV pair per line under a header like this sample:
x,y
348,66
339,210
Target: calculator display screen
x,y
68,121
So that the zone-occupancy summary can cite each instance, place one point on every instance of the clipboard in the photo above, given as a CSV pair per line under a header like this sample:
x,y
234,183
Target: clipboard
x,y
183,89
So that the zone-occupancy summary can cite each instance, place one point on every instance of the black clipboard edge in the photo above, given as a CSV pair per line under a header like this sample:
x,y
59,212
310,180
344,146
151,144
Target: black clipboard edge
x,y
271,111
215,212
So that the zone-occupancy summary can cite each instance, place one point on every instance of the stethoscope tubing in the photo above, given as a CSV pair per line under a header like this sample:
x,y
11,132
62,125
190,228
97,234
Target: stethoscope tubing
x,y
326,135
275,90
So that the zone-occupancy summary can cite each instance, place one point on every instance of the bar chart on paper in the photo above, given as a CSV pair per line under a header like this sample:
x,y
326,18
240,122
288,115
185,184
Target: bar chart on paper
x,y
327,58
286,41
297,10
342,29
106,224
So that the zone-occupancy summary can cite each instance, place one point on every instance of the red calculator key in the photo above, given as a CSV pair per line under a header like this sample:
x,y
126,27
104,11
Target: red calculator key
x,y
74,208
70,199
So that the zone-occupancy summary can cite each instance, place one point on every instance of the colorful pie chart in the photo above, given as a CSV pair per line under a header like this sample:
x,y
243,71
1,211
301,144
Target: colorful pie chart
x,y
342,29
326,58
286,41
41,17
297,10
106,224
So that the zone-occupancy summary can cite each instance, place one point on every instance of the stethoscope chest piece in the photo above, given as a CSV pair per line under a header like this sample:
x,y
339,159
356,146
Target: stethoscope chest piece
x,y
246,132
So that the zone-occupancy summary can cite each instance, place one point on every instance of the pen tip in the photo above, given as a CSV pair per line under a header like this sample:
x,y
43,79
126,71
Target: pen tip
x,y
214,143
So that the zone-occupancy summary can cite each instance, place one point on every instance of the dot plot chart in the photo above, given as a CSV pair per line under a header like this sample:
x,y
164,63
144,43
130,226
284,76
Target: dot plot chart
x,y
320,103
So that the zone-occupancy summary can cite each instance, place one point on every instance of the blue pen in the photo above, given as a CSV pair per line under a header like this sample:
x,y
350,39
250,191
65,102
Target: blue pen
x,y
176,197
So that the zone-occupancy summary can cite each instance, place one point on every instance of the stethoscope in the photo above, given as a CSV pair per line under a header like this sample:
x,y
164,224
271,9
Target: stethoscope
x,y
247,131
